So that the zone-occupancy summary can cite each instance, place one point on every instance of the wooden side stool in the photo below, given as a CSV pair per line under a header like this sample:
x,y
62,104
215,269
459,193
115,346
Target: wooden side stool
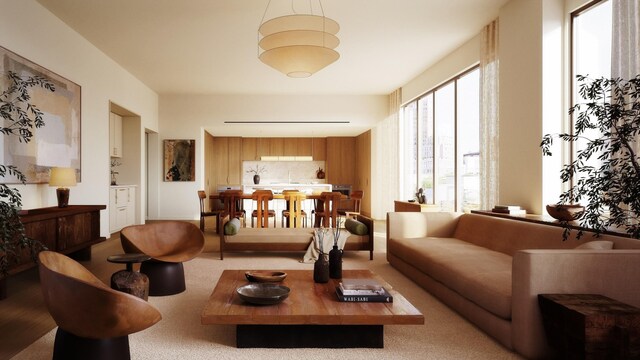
x,y
588,326
130,281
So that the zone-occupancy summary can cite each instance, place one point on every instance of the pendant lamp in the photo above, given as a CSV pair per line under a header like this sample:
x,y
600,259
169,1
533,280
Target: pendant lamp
x,y
298,45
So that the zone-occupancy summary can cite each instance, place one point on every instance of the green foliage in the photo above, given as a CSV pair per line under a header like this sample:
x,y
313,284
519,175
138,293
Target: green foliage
x,y
611,189
19,118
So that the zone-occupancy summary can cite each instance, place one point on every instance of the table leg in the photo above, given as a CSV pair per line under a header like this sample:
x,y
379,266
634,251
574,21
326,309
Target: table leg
x,y
310,336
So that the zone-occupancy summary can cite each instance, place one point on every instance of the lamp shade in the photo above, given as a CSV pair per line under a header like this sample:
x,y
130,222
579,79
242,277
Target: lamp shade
x,y
299,45
62,177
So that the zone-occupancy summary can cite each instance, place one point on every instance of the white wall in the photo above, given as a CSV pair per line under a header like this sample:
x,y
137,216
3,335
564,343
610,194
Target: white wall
x,y
29,30
187,116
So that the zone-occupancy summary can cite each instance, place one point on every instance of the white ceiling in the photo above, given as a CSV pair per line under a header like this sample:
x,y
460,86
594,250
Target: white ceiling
x,y
210,46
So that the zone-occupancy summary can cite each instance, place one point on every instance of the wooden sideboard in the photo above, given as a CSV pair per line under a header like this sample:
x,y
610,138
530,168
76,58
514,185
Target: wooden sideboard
x,y
70,230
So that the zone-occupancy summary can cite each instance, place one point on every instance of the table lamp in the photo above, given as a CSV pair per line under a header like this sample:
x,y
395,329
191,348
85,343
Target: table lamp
x,y
62,178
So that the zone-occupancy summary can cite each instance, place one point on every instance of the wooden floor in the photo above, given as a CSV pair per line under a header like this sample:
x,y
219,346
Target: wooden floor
x,y
23,315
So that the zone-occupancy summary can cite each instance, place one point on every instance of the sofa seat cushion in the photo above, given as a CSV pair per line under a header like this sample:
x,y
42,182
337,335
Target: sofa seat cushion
x,y
482,276
278,235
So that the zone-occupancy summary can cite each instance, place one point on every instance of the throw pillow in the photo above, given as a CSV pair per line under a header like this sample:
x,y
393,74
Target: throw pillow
x,y
356,227
596,245
232,227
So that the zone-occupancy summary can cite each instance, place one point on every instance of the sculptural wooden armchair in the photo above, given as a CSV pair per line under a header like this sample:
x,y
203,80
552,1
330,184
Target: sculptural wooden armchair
x,y
93,320
169,243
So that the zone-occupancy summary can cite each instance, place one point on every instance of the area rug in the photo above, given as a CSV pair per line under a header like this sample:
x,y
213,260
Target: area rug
x,y
179,335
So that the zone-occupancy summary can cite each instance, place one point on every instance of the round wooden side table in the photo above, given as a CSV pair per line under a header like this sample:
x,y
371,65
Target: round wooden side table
x,y
127,280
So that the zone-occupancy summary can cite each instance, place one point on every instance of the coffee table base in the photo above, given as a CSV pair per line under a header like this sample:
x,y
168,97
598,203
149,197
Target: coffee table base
x,y
310,336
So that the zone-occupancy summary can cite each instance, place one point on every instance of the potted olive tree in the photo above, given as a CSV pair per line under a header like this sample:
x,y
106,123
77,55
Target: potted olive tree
x,y
611,190
19,118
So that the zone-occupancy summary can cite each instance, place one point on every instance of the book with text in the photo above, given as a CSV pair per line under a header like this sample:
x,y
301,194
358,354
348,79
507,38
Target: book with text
x,y
383,296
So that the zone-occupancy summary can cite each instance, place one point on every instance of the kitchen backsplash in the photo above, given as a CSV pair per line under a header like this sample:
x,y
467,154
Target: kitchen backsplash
x,y
303,172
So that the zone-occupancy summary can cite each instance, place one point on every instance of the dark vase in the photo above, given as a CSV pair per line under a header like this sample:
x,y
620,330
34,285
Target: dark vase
x,y
335,263
321,269
256,179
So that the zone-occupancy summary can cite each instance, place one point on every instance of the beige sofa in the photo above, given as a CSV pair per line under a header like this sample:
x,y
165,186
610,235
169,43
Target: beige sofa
x,y
288,239
491,269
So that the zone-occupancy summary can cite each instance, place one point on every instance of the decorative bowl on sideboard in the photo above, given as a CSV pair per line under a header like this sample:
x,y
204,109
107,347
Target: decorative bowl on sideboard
x,y
565,212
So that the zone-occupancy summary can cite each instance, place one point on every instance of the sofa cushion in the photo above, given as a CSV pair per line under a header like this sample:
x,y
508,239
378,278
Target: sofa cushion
x,y
481,275
596,245
232,227
356,227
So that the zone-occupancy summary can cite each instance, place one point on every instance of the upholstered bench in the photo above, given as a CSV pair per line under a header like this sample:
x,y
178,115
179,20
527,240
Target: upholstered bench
x,y
287,239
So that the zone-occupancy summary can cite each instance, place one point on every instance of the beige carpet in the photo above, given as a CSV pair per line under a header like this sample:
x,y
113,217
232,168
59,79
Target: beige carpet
x,y
180,335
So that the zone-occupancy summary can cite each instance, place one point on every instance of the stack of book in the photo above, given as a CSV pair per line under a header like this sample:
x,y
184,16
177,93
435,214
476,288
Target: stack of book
x,y
509,209
362,290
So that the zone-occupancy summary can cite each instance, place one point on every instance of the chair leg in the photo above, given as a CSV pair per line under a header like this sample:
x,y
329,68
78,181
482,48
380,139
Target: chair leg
x,y
165,278
202,223
68,346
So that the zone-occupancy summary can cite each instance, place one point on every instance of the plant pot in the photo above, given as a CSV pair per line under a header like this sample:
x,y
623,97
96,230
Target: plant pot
x,y
256,179
565,212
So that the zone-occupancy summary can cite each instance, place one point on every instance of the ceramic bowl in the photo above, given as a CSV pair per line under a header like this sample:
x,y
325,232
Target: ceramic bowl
x,y
263,294
567,212
265,276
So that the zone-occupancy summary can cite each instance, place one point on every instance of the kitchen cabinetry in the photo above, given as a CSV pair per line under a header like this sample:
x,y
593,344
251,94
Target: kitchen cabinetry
x,y
341,160
276,147
228,156
319,149
250,149
115,135
122,207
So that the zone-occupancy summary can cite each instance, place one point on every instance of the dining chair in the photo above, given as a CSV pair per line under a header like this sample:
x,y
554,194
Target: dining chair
x,y
355,200
215,212
94,321
326,211
232,200
262,211
294,215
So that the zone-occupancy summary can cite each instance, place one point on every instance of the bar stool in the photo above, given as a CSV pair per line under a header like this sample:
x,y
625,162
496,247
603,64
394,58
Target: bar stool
x,y
262,212
295,216
327,209
233,204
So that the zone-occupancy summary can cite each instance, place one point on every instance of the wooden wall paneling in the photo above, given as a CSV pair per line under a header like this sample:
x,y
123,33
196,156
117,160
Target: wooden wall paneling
x,y
304,147
363,170
262,147
235,160
319,149
221,162
340,161
290,146
276,146
209,168
250,149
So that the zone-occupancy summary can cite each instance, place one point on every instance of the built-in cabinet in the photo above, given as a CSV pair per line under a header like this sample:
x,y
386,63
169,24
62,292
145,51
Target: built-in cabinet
x,y
227,166
341,160
122,202
254,148
115,135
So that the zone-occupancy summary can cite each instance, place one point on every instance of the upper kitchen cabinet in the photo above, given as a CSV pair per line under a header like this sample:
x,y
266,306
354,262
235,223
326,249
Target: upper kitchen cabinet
x,y
341,159
250,149
304,147
115,135
276,147
227,166
262,147
319,149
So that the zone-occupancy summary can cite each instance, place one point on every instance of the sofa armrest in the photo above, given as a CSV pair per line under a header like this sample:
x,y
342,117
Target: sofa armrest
x,y
403,225
612,273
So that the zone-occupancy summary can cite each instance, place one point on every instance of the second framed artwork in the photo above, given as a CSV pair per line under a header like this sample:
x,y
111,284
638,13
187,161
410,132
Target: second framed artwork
x,y
179,160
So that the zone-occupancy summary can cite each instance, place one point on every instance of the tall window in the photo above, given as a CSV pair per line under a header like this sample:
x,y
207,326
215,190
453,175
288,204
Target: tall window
x,y
591,50
441,137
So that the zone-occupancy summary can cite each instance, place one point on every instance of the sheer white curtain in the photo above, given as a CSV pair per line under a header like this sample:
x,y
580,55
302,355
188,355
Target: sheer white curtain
x,y
386,183
625,47
489,94
625,52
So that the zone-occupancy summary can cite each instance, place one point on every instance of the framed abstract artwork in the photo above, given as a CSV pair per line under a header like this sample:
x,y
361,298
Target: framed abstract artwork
x,y
179,160
57,143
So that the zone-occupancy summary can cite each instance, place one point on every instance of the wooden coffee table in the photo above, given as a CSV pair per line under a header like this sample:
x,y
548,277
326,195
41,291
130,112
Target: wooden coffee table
x,y
311,316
